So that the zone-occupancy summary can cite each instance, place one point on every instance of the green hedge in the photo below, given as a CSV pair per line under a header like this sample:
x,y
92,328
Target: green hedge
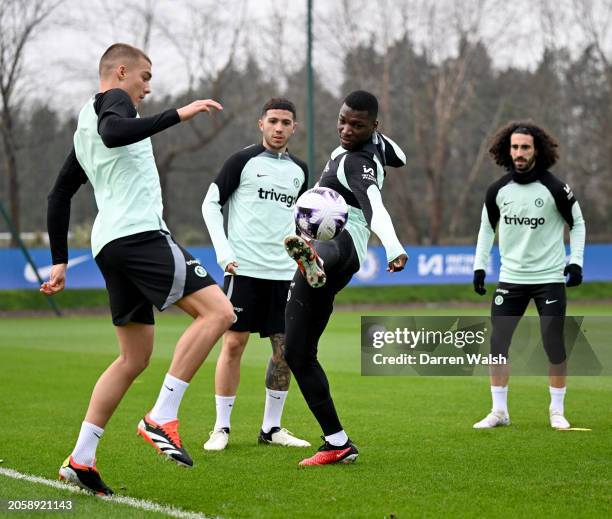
x,y
34,300
454,293
86,298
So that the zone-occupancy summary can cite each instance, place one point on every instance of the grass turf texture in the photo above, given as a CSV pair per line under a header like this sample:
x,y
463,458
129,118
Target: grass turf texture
x,y
12,300
419,454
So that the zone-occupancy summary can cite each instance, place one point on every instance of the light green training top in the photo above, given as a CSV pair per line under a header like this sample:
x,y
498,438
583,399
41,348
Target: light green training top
x,y
530,219
259,189
125,183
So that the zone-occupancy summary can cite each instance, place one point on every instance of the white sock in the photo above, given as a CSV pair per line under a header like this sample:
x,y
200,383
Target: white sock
x,y
557,394
224,405
500,398
166,408
273,410
84,452
337,439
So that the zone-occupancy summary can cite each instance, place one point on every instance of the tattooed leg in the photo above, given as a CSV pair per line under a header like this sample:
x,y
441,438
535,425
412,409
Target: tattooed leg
x,y
278,374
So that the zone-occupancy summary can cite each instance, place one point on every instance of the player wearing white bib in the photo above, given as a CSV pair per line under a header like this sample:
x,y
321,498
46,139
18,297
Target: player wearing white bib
x,y
258,187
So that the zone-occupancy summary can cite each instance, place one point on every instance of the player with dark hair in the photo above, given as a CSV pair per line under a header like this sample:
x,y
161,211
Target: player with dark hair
x,y
141,263
529,207
356,170
259,185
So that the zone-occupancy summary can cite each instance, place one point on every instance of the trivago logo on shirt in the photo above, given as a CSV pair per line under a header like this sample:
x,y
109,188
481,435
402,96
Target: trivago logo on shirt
x,y
284,198
533,223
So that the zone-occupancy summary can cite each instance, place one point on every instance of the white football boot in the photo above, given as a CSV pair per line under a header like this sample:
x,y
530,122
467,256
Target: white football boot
x,y
278,436
558,421
493,419
218,440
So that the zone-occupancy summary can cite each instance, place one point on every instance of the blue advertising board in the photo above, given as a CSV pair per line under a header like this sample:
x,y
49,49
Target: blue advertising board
x,y
426,266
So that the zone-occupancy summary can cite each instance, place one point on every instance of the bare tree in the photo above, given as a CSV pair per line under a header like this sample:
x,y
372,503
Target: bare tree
x,y
459,207
20,22
439,101
209,47
593,19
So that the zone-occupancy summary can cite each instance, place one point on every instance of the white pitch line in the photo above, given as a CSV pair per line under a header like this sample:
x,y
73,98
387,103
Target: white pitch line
x,y
142,504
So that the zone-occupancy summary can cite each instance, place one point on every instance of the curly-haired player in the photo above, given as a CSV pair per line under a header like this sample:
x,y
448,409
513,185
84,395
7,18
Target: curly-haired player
x,y
529,208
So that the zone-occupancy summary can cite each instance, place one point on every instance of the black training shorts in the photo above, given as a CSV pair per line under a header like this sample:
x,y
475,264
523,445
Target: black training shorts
x,y
259,304
145,270
510,302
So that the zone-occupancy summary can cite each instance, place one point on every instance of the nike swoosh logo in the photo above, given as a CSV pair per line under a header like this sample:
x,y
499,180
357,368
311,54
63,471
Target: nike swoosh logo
x,y
258,175
507,203
97,436
168,388
340,454
43,272
277,397
551,302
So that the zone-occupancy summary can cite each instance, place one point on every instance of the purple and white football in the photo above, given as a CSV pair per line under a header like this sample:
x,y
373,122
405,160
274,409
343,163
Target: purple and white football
x,y
320,213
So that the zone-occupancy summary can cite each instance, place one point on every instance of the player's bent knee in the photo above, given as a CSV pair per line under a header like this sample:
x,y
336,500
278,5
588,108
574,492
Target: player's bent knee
x,y
556,356
226,315
134,366
233,347
294,359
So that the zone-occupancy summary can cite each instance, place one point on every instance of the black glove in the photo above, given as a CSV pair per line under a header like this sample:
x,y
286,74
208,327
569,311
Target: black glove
x,y
575,275
479,278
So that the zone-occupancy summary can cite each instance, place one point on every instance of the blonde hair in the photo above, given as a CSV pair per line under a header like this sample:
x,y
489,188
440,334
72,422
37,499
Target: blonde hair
x,y
117,53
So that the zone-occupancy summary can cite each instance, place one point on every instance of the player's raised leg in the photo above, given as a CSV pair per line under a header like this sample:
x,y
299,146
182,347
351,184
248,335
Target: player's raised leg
x,y
212,314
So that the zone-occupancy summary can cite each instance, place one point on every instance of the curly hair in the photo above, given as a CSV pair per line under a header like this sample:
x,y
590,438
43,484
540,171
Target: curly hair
x,y
546,146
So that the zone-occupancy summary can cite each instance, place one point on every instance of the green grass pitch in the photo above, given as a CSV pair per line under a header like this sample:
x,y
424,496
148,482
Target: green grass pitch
x,y
419,456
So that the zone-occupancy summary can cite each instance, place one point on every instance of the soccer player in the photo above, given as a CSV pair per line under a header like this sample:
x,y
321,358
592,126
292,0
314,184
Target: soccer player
x,y
356,171
260,185
141,263
529,207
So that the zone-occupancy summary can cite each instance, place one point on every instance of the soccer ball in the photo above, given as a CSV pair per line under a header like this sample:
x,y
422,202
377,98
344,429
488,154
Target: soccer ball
x,y
320,213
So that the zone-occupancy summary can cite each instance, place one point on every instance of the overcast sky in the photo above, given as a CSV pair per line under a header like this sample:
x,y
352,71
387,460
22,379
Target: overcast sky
x,y
62,61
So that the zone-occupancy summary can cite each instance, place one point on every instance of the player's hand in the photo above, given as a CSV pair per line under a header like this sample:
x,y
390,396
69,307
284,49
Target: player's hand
x,y
479,282
575,275
201,105
57,280
398,263
231,267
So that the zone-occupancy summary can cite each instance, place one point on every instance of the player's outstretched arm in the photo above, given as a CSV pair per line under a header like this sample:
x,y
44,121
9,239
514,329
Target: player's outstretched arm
x,y
119,124
200,106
